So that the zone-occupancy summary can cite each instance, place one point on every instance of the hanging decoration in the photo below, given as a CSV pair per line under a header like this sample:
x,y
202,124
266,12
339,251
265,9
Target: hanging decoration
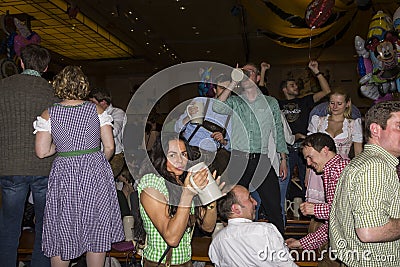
x,y
24,37
206,86
318,12
284,22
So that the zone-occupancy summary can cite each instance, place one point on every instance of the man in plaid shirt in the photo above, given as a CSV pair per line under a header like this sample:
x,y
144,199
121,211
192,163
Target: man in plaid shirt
x,y
320,152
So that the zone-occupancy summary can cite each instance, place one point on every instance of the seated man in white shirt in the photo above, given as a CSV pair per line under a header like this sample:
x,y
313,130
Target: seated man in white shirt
x,y
244,242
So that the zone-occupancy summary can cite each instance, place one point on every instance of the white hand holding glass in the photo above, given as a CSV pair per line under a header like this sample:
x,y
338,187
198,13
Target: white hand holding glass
x,y
209,193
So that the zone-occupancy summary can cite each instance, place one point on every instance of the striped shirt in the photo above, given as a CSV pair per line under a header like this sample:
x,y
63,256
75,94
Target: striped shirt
x,y
253,123
367,196
155,243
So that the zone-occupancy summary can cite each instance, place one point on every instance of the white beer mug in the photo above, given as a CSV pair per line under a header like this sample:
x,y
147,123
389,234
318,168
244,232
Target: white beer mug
x,y
296,206
197,117
128,221
237,75
209,193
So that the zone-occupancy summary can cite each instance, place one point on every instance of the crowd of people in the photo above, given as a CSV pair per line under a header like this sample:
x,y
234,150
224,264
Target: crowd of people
x,y
74,165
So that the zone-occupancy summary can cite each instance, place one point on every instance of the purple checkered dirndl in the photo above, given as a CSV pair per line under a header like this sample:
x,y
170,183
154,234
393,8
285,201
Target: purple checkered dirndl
x,y
82,212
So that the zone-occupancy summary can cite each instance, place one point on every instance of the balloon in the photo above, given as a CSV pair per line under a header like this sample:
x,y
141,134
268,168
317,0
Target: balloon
x,y
379,57
386,53
396,20
361,67
379,25
20,41
370,91
359,44
364,66
318,12
206,87
368,65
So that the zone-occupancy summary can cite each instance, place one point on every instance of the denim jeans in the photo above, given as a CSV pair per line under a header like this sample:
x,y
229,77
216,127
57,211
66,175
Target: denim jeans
x,y
14,193
283,185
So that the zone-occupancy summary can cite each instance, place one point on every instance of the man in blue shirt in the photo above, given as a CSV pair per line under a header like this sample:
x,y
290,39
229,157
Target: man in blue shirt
x,y
208,141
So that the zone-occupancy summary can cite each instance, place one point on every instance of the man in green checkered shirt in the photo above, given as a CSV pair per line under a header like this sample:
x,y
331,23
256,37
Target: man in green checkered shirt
x,y
365,214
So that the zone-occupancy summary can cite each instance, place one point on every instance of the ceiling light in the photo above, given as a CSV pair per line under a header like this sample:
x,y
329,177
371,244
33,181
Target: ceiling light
x,y
197,33
208,51
71,40
130,12
147,43
131,30
159,53
194,27
136,18
182,8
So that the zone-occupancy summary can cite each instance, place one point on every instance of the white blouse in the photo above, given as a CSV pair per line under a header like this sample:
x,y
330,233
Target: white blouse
x,y
42,125
351,132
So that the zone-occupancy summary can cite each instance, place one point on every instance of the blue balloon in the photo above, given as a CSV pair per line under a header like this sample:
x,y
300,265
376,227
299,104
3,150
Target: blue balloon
x,y
361,67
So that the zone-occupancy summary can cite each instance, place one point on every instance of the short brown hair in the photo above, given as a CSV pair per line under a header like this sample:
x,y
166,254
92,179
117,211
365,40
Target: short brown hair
x,y
380,114
35,57
101,94
71,83
318,141
224,205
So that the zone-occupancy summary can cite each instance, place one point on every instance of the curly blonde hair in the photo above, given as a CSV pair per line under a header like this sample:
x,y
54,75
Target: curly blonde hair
x,y
71,84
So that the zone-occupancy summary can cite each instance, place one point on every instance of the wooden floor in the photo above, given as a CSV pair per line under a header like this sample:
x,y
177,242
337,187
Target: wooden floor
x,y
295,227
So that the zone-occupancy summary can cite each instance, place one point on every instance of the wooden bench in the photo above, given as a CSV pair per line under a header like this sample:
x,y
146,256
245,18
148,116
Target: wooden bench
x,y
296,227
199,250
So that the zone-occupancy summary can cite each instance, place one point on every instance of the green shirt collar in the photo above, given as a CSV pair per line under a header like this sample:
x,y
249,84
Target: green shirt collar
x,y
31,72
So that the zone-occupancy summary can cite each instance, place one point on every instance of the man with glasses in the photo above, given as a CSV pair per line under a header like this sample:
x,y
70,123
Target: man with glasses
x,y
255,117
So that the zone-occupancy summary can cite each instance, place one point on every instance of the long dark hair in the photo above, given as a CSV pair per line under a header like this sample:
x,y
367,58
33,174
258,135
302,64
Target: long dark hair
x,y
158,162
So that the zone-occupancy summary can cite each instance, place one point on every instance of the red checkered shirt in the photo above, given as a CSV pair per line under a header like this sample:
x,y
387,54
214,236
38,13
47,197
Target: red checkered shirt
x,y
332,170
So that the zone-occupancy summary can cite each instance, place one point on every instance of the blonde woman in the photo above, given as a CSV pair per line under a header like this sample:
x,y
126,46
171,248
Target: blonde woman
x,y
344,130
